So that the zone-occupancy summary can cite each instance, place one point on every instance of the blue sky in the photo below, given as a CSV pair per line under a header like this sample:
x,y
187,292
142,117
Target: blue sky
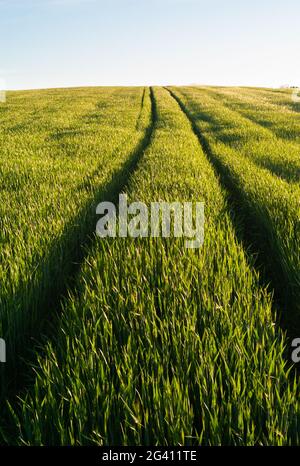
x,y
53,43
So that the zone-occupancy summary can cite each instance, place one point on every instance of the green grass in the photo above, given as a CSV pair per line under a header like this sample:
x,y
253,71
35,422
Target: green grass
x,y
60,152
233,126
151,343
273,109
271,203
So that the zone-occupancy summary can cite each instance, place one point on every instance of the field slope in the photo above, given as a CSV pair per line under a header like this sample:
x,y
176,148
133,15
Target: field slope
x,y
144,341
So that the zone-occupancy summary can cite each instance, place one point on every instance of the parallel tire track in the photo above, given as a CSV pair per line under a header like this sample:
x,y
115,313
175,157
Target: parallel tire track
x,y
256,241
72,254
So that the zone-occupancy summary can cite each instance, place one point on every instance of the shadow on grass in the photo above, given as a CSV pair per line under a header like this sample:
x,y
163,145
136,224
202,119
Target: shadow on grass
x,y
255,233
52,280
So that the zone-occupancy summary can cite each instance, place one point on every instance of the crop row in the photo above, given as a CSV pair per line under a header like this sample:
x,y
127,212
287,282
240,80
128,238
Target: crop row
x,y
159,344
269,203
275,110
60,152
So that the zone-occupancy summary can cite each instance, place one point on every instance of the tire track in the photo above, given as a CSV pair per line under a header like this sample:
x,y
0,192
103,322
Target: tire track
x,y
255,241
72,249
138,121
230,102
288,172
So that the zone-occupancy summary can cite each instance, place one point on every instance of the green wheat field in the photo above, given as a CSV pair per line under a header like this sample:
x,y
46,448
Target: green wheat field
x,y
123,341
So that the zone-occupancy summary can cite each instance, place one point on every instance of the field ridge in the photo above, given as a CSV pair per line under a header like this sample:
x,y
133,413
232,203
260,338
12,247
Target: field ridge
x,y
256,241
72,248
